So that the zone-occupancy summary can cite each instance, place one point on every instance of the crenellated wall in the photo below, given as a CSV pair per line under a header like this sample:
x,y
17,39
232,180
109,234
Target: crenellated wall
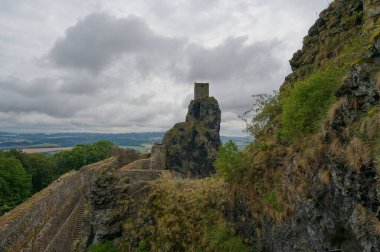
x,y
45,222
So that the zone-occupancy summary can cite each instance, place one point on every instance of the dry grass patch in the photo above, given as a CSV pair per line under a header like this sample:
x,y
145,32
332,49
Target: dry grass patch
x,y
370,125
182,215
325,177
368,223
335,109
378,81
336,148
358,154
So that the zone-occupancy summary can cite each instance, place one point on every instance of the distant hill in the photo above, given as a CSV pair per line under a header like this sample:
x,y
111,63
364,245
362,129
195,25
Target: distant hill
x,y
133,140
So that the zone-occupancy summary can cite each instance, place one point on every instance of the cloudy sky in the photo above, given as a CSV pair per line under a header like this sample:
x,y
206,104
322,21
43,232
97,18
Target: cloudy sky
x,y
130,65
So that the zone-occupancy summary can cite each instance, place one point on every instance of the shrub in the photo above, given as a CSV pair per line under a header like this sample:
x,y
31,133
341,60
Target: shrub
x,y
264,110
105,246
305,104
271,199
143,246
230,162
222,238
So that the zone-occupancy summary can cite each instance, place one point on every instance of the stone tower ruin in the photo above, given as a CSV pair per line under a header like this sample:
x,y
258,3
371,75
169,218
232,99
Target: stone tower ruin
x,y
158,157
201,91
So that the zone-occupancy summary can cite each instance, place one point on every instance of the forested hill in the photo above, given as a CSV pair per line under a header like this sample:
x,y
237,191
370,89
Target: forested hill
x,y
10,140
40,140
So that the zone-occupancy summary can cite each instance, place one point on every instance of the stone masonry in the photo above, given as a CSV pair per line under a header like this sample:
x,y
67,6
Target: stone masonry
x,y
158,157
201,91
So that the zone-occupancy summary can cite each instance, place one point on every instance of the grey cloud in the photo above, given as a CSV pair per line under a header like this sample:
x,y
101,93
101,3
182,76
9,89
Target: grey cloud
x,y
98,39
114,72
38,95
142,99
82,84
233,59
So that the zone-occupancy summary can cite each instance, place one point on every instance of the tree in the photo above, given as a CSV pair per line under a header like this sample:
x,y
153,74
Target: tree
x,y
40,168
230,162
15,183
264,111
82,155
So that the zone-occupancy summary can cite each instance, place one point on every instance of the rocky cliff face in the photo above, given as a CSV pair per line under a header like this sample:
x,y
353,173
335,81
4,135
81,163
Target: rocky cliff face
x,y
329,180
339,208
192,146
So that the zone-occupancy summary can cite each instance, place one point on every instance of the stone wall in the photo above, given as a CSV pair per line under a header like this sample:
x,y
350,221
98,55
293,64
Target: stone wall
x,y
141,164
33,225
66,231
127,156
158,157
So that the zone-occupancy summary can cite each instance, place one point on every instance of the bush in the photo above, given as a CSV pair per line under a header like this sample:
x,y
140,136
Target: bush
x,y
230,162
143,246
264,110
305,104
105,246
222,238
271,199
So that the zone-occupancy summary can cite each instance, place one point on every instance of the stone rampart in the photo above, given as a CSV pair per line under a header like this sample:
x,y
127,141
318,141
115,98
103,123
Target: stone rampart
x,y
33,225
141,164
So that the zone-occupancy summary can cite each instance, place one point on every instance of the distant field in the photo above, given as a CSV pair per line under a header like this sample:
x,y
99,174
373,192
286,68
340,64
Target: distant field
x,y
49,144
43,150
141,148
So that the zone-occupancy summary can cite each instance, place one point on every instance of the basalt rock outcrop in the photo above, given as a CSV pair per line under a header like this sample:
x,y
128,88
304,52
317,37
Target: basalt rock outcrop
x,y
331,182
191,146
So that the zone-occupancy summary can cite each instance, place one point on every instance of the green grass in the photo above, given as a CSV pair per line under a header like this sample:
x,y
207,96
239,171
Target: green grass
x,y
307,102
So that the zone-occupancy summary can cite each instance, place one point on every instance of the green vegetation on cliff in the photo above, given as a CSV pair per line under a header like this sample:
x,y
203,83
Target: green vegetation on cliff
x,y
305,103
